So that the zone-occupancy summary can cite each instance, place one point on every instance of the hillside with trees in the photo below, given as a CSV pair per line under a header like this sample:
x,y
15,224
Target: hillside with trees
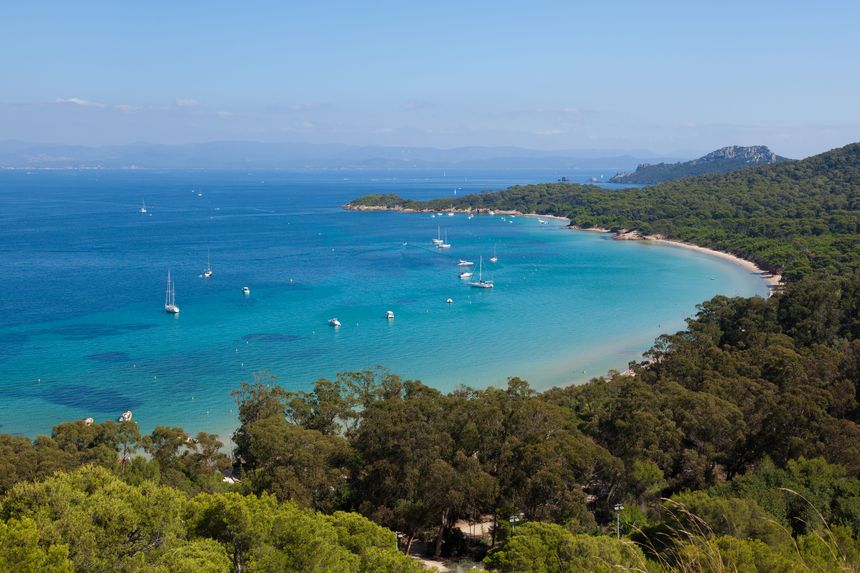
x,y
722,160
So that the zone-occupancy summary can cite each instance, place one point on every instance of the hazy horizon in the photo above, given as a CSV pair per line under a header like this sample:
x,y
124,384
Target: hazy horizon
x,y
619,76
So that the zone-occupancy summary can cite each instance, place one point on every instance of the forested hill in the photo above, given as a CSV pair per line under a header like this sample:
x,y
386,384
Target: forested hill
x,y
723,160
800,218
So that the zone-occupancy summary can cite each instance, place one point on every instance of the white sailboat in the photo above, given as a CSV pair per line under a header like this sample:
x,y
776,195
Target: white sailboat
x,y
465,263
170,297
444,244
494,258
481,283
438,240
208,272
142,207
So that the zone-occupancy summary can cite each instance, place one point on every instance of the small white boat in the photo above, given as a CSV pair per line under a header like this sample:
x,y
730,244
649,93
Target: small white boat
x,y
246,290
125,416
208,272
465,275
142,207
451,214
481,283
389,314
470,217
491,212
465,263
542,221
170,297
494,258
450,300
334,322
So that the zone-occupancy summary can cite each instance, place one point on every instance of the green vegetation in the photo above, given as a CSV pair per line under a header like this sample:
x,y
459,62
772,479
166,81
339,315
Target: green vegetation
x,y
737,448
92,520
800,218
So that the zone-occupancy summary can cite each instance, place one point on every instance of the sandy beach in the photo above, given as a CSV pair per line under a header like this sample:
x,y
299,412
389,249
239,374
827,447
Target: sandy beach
x,y
773,280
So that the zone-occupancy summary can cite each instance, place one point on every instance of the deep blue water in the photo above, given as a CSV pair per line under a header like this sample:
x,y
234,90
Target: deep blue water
x,y
83,332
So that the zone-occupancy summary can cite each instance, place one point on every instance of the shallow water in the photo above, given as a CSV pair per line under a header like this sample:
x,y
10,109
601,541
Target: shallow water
x,y
83,332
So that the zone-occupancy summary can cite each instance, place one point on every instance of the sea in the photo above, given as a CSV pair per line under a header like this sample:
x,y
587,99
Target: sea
x,y
83,332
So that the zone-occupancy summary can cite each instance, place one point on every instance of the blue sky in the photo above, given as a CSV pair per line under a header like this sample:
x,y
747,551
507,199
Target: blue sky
x,y
662,76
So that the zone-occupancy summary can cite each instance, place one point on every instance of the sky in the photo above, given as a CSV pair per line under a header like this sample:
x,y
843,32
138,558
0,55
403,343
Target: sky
x,y
667,77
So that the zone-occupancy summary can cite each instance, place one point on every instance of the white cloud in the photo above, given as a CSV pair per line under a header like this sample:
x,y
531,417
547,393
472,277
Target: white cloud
x,y
223,114
81,102
187,102
125,108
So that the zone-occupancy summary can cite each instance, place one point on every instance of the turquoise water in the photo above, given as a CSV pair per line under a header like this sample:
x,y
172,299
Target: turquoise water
x,y
83,332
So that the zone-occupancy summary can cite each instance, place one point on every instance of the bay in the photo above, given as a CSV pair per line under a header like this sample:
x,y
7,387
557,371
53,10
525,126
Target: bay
x,y
83,332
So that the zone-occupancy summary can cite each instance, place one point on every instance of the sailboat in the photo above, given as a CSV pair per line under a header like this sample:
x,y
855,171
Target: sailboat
x,y
481,283
208,272
444,244
494,258
142,207
438,240
170,297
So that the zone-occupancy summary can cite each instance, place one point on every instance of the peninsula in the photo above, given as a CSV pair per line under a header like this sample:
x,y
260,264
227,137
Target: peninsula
x,y
796,219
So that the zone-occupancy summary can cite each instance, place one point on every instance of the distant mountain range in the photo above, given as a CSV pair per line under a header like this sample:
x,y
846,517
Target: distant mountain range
x,y
257,155
722,160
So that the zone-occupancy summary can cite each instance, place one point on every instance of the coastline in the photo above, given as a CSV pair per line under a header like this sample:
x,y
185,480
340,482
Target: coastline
x,y
772,280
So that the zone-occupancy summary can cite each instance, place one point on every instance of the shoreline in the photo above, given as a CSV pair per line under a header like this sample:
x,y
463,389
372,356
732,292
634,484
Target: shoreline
x,y
773,281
